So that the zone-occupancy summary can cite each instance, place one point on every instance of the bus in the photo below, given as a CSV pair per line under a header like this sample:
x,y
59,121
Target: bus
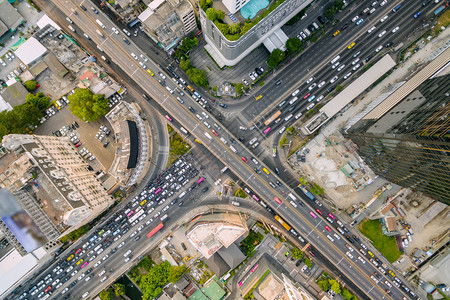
x,y
155,230
136,216
272,118
282,222
306,192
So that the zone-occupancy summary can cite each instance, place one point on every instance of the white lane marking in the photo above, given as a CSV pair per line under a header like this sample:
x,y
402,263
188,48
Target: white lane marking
x,y
340,261
318,223
310,232
134,71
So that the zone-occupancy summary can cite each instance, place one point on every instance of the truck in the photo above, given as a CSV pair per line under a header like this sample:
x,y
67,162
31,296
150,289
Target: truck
x,y
99,33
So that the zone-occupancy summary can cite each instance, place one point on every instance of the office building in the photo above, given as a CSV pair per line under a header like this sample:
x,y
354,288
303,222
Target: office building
x,y
167,22
405,138
227,52
51,183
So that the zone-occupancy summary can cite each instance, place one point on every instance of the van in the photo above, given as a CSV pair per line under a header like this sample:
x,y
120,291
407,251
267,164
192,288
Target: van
x,y
163,218
315,25
366,10
372,11
100,23
288,117
182,195
307,32
233,149
335,59
282,130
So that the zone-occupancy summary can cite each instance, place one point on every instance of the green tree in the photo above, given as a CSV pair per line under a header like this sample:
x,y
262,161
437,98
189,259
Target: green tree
x,y
188,44
175,273
323,284
293,44
198,77
239,89
330,12
106,294
308,262
275,58
339,4
30,85
297,253
346,294
119,289
335,286
185,64
39,100
204,4
87,106
290,130
235,28
247,26
220,15
211,14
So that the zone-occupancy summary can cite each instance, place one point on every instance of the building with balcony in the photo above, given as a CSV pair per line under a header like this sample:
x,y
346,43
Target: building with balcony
x,y
227,52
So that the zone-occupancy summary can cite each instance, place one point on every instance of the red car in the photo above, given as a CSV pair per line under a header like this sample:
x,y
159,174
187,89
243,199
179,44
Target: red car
x,y
78,251
319,211
331,216
78,144
311,253
307,95
313,214
277,200
215,132
48,289
327,228
244,159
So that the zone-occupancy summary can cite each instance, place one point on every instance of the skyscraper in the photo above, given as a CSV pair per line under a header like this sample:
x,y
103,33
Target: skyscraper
x,y
407,140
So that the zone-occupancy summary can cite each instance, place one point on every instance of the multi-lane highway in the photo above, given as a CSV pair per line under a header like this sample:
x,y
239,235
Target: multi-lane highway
x,y
237,157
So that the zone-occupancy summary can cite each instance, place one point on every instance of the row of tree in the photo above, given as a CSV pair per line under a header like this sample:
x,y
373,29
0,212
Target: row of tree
x,y
277,55
197,76
119,290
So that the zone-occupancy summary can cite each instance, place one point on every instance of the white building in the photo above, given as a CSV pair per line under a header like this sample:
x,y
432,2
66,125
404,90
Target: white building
x,y
234,5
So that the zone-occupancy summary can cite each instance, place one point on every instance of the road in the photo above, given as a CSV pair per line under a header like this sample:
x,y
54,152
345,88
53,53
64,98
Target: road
x,y
313,228
315,62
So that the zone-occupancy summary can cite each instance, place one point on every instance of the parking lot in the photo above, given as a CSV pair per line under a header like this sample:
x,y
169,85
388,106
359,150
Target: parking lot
x,y
62,121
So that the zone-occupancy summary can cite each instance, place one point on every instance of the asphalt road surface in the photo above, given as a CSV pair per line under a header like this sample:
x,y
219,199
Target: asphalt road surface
x,y
236,158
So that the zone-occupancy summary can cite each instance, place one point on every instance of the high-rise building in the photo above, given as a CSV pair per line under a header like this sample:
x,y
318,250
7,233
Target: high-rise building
x,y
227,49
406,138
51,183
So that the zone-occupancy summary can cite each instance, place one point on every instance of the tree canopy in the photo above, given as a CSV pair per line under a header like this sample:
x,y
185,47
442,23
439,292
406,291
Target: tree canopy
x,y
119,289
293,44
297,253
158,276
106,294
275,58
30,85
87,106
198,77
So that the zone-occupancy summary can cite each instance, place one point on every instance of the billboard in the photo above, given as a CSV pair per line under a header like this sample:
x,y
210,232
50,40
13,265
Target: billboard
x,y
20,223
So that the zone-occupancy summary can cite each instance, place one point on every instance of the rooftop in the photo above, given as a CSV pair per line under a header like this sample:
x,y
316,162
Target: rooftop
x,y
31,50
15,94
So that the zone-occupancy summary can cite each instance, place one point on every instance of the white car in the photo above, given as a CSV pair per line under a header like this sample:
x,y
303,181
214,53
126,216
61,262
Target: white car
x,y
115,30
126,32
341,67
81,276
382,33
309,80
142,65
134,56
320,98
295,93
379,49
144,58
349,255
356,67
384,18
355,19
395,29
355,61
347,75
312,86
74,273
361,260
97,264
382,3
334,79
321,84
64,291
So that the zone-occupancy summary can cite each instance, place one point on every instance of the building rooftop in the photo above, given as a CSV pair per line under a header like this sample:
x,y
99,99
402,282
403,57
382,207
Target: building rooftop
x,y
15,94
210,232
55,65
9,15
29,51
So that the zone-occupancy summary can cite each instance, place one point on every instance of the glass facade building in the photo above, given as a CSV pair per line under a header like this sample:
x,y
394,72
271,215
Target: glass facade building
x,y
409,144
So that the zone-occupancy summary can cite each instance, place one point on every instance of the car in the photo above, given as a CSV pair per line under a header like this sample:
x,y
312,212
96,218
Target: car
x,y
379,48
355,18
334,79
327,228
306,96
97,264
126,32
74,273
295,92
244,159
312,86
341,67
359,21
319,211
395,29
321,84
382,33
382,3
384,18
331,216
79,262
223,105
94,10
356,67
126,41
417,14
313,214
347,75
336,33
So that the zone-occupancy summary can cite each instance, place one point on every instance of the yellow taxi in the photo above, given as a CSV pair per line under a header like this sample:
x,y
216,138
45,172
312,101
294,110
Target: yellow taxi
x,y
258,97
336,33
370,253
150,72
143,202
266,171
70,257
351,45
392,273
79,262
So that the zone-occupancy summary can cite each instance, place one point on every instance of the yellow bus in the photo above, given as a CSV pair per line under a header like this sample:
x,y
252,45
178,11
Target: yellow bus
x,y
272,118
282,222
